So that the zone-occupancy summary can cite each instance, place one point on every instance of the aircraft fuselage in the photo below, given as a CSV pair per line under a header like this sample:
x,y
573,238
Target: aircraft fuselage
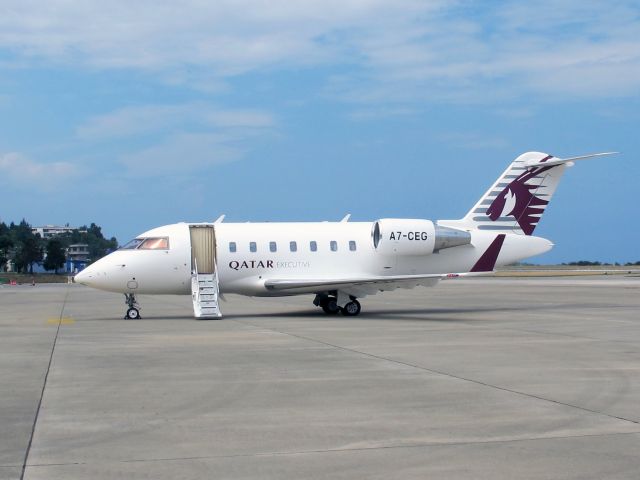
x,y
248,254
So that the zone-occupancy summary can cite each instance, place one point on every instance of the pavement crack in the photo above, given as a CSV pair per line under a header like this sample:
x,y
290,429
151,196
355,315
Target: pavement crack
x,y
44,385
443,373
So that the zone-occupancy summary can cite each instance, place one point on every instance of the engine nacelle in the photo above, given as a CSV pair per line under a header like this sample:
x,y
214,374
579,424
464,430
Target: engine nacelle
x,y
393,236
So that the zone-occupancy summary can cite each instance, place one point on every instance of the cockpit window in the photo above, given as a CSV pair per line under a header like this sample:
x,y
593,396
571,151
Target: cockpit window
x,y
161,243
133,244
154,243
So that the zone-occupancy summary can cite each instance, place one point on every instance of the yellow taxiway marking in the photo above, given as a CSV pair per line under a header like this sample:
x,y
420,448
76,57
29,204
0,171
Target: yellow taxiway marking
x,y
62,321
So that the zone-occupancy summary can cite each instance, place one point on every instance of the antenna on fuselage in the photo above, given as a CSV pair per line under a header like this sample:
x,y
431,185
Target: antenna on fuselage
x,y
219,219
346,218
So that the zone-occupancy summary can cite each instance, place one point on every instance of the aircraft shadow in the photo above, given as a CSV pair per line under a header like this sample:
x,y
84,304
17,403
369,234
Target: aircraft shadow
x,y
425,314
454,314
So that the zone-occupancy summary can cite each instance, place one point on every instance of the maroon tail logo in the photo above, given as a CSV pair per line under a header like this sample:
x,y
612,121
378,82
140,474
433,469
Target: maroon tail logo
x,y
517,200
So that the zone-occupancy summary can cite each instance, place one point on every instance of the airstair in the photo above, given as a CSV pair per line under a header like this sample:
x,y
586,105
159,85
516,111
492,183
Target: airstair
x,y
204,292
205,288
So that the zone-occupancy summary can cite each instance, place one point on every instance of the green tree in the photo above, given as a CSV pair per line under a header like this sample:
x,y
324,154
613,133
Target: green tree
x,y
27,246
21,232
92,236
28,253
20,244
55,255
6,242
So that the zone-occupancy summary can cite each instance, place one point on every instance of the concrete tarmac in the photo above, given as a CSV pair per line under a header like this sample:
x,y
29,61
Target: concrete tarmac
x,y
473,379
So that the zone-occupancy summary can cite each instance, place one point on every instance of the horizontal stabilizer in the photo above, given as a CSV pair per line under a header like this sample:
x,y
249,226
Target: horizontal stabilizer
x,y
559,161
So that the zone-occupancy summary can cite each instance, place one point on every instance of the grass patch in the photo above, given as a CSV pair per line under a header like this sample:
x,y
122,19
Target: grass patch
x,y
22,278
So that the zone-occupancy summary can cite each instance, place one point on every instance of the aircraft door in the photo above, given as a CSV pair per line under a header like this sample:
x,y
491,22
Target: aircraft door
x,y
203,248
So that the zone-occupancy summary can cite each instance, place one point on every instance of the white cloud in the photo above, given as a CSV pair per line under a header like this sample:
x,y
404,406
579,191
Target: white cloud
x,y
145,119
240,118
229,36
577,50
18,170
405,51
472,141
375,113
132,121
183,154
184,138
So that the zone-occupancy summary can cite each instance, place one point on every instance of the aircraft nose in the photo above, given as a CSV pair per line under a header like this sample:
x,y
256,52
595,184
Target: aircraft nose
x,y
104,274
85,277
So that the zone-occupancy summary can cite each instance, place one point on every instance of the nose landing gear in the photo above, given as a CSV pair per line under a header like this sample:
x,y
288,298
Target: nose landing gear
x,y
133,310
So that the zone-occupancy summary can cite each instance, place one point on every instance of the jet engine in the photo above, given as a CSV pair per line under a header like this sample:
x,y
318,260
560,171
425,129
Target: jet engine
x,y
393,236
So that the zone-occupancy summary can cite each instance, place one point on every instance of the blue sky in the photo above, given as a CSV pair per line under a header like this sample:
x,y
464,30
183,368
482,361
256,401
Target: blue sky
x,y
138,114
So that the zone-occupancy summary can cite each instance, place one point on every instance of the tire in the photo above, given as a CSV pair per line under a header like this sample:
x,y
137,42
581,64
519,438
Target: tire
x,y
351,309
133,314
330,306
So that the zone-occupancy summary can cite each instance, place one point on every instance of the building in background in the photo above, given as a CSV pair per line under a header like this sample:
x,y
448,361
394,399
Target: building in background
x,y
49,231
77,257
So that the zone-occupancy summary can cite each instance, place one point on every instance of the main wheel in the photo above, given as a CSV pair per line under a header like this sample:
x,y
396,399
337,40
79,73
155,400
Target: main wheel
x,y
330,306
132,314
351,309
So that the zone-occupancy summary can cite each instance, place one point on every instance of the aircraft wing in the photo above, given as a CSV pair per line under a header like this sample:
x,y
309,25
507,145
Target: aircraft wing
x,y
358,286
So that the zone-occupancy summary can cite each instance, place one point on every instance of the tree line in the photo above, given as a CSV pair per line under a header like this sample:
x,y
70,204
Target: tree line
x,y
588,263
25,249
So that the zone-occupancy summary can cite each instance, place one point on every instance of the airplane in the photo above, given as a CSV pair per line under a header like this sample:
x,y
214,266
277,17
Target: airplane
x,y
336,262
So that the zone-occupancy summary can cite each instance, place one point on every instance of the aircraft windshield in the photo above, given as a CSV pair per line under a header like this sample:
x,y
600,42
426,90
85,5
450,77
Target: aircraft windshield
x,y
154,243
161,243
133,244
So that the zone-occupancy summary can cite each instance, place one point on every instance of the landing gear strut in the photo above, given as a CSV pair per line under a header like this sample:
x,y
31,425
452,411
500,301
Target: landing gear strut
x,y
133,308
329,304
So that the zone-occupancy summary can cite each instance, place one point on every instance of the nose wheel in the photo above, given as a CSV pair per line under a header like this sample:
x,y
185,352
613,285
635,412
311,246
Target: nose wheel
x,y
133,310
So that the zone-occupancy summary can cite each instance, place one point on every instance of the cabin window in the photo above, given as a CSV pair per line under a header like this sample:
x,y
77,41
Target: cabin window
x,y
252,247
313,246
232,247
158,243
333,245
352,245
273,247
293,246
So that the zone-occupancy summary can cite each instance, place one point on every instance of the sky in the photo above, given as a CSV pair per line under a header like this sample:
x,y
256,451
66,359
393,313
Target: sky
x,y
139,114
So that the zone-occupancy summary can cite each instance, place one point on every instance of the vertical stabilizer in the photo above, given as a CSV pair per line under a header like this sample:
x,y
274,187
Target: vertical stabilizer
x,y
518,198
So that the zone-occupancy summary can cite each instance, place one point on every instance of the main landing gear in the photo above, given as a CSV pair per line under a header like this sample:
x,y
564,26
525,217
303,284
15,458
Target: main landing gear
x,y
133,308
330,306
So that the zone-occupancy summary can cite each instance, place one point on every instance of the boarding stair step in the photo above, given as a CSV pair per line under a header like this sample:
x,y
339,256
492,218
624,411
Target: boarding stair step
x,y
204,292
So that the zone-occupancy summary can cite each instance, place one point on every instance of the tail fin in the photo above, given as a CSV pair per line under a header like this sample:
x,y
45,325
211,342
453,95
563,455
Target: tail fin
x,y
516,201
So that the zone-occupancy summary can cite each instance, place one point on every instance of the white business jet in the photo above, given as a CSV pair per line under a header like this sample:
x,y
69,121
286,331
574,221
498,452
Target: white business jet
x,y
337,262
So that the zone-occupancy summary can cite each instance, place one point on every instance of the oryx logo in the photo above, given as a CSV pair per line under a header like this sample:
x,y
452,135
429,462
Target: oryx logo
x,y
517,200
